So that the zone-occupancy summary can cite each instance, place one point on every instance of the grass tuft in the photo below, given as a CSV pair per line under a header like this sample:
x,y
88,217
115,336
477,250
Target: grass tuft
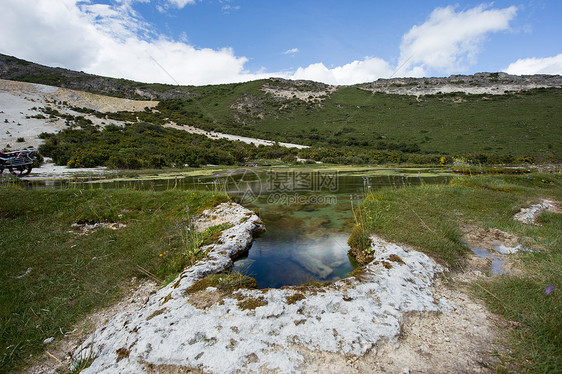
x,y
251,303
226,282
294,298
534,300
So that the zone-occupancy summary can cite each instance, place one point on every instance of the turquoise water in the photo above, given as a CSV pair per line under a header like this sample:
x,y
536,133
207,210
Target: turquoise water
x,y
303,243
307,230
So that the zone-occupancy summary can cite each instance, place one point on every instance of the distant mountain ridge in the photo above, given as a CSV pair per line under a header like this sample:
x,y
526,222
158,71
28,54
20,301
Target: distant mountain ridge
x,y
479,83
13,68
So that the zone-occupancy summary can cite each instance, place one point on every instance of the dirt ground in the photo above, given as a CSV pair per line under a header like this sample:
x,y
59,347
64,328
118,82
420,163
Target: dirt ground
x,y
101,103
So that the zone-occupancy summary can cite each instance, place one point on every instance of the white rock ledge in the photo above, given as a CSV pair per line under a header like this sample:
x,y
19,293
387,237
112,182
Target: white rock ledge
x,y
528,215
348,317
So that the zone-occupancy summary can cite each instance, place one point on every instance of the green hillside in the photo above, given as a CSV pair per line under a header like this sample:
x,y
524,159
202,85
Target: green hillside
x,y
523,124
345,121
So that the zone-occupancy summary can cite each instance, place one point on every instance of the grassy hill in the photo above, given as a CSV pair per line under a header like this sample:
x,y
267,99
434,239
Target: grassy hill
x,y
349,119
527,123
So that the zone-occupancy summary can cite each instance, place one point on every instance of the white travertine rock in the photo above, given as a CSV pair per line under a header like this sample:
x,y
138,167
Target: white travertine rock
x,y
349,317
528,215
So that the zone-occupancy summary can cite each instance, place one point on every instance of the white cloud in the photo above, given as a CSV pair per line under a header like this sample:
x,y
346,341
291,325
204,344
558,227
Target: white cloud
x,y
366,70
109,40
181,3
529,66
449,41
113,40
445,43
227,8
291,51
120,22
51,32
168,61
164,6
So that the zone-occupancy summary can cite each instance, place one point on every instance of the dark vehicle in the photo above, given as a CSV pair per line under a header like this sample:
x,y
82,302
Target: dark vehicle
x,y
19,163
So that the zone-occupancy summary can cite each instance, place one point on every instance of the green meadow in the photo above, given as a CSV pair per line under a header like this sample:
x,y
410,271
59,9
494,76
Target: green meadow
x,y
53,274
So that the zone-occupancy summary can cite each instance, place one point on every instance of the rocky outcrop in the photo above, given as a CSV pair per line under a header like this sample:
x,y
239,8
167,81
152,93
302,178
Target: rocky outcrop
x,y
308,91
300,85
480,83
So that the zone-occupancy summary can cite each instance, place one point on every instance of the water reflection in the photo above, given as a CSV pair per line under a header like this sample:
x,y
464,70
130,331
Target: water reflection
x,y
303,243
296,260
497,259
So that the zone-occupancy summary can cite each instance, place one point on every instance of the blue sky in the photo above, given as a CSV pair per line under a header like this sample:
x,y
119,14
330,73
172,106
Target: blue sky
x,y
222,41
